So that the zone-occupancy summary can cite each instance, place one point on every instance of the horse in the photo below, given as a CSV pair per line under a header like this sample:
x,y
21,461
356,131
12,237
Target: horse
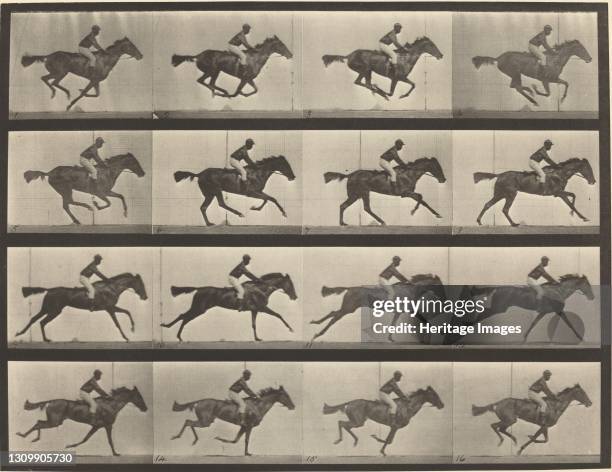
x,y
500,299
256,296
359,411
514,64
511,182
65,179
212,63
364,297
61,63
105,299
209,409
365,61
509,410
361,182
214,181
59,410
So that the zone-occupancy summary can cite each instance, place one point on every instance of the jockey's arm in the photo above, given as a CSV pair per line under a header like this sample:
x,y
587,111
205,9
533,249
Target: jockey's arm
x,y
247,44
549,160
399,276
101,275
99,390
398,391
546,46
97,157
251,276
249,392
548,392
549,278
94,41
248,159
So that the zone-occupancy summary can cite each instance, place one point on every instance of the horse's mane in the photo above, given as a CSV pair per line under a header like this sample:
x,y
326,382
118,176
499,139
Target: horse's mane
x,y
569,277
268,390
272,275
264,42
569,42
571,160
119,391
265,160
119,276
115,44
112,159
420,277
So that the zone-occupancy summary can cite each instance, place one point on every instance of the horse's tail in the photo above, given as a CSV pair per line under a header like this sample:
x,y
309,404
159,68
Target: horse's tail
x,y
329,176
180,290
30,175
478,176
183,174
177,59
327,291
27,60
481,410
33,406
183,406
330,58
486,60
27,291
329,409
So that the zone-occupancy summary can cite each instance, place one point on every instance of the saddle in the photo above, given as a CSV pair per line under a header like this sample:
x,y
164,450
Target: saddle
x,y
237,65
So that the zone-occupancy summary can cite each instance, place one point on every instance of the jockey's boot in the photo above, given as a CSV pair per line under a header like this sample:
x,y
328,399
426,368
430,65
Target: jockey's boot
x,y
393,188
91,304
243,185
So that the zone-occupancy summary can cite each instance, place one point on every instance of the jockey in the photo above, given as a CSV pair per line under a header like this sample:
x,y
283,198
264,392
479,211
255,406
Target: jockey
x,y
90,386
87,43
538,272
89,154
387,158
234,278
89,271
540,40
238,387
384,278
389,42
384,394
238,156
240,39
535,393
535,160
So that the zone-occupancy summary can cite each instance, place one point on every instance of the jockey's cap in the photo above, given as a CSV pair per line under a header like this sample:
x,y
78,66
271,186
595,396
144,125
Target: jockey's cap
x,y
396,259
246,26
545,259
397,373
399,142
98,257
547,372
99,140
250,142
97,372
548,28
397,25
548,142
95,28
246,257
246,372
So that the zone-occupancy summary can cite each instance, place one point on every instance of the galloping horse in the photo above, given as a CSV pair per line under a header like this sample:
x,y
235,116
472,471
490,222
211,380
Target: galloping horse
x,y
513,64
108,408
509,410
359,411
212,63
65,179
365,61
105,299
61,63
503,297
361,182
511,182
214,181
364,296
256,298
209,409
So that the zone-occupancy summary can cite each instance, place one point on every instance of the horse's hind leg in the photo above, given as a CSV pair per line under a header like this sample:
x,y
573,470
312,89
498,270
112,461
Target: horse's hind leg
x,y
40,424
347,426
113,316
532,325
331,314
344,205
485,208
83,93
120,197
517,85
506,209
45,79
225,206
56,84
569,324
192,425
207,201
366,206
241,431
337,317
546,92
50,317
496,427
85,439
34,319
503,430
129,315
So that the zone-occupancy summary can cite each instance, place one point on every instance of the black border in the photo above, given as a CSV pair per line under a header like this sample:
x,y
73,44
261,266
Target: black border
x,y
459,355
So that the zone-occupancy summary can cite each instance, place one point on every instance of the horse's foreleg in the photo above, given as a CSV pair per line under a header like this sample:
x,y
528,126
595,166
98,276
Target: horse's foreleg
x,y
113,316
412,87
344,205
254,324
532,325
565,198
566,85
105,200
97,90
225,206
265,196
393,85
81,95
109,436
247,437
238,91
276,315
255,90
532,439
388,440
123,310
569,324
85,439
546,89
420,201
120,197
366,206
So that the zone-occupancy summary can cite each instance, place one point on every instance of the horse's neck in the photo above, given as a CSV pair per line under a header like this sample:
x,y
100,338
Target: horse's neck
x,y
114,171
567,288
562,57
121,284
117,404
563,404
112,56
262,56
570,170
416,401
269,288
263,173
265,404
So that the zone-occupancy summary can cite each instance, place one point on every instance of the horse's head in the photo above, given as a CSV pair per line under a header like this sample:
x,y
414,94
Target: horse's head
x,y
577,393
580,283
575,48
138,285
427,46
129,162
432,397
287,287
137,400
282,165
586,171
127,47
283,398
278,47
431,166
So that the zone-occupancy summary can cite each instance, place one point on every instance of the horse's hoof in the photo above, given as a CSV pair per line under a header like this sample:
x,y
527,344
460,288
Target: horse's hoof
x,y
586,220
257,339
248,454
342,223
240,215
116,454
439,216
479,222
514,225
174,437
284,214
337,441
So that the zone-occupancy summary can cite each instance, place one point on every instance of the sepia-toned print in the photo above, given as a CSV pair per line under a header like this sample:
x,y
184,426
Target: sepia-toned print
x,y
51,176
